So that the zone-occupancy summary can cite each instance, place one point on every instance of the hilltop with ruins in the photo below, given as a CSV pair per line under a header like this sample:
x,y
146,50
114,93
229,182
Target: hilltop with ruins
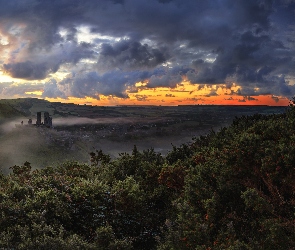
x,y
47,122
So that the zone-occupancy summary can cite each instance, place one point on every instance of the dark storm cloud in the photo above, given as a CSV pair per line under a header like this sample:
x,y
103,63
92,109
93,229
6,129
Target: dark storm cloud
x,y
128,54
93,84
255,60
164,81
48,63
114,82
167,78
51,90
29,70
251,42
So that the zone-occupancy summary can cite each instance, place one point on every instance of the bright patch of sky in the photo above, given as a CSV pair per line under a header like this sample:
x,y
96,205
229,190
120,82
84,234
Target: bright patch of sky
x,y
4,40
84,34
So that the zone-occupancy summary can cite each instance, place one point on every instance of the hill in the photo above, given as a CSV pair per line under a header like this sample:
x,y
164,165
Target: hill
x,y
27,107
231,189
8,112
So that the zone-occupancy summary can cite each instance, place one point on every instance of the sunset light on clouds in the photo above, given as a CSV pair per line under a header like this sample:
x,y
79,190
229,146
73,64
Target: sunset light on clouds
x,y
157,52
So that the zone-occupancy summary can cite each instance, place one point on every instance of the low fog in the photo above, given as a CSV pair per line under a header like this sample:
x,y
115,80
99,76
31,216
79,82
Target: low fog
x,y
9,126
42,146
70,121
18,146
36,145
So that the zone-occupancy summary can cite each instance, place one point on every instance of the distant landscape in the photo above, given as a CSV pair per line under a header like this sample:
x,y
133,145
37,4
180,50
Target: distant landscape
x,y
80,129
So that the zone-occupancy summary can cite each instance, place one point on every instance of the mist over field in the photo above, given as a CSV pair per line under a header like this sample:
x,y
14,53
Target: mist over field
x,y
8,126
46,147
79,130
83,120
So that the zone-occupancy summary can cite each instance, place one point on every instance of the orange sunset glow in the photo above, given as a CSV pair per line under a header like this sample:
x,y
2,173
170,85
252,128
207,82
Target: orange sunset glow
x,y
184,94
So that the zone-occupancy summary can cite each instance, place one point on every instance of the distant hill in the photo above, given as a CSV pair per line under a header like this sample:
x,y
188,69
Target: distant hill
x,y
30,106
7,111
23,106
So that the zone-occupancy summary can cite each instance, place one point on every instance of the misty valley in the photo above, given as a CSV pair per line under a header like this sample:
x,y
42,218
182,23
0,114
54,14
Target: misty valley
x,y
78,130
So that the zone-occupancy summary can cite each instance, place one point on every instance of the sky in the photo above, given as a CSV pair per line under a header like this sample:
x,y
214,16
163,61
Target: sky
x,y
148,52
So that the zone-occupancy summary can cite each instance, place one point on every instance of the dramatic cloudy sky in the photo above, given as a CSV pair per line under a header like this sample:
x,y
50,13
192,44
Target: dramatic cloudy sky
x,y
163,52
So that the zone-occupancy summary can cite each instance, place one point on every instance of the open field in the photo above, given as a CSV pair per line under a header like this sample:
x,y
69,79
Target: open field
x,y
79,129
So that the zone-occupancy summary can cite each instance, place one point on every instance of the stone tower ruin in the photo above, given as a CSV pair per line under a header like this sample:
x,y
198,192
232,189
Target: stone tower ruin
x,y
38,122
47,120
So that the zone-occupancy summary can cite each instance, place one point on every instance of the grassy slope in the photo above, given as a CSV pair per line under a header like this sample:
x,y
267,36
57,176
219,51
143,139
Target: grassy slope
x,y
8,111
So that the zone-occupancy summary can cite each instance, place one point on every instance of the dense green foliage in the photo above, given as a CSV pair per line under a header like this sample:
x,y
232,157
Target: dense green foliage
x,y
232,189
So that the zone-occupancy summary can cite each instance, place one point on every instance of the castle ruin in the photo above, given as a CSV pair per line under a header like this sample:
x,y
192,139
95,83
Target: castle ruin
x,y
47,120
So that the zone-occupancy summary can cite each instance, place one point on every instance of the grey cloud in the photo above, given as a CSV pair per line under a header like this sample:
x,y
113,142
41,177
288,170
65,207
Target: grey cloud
x,y
115,83
10,89
118,1
164,81
4,88
51,90
168,78
275,98
274,84
247,98
212,93
199,22
128,54
250,98
141,98
28,70
93,84
254,61
282,87
201,72
48,63
165,1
